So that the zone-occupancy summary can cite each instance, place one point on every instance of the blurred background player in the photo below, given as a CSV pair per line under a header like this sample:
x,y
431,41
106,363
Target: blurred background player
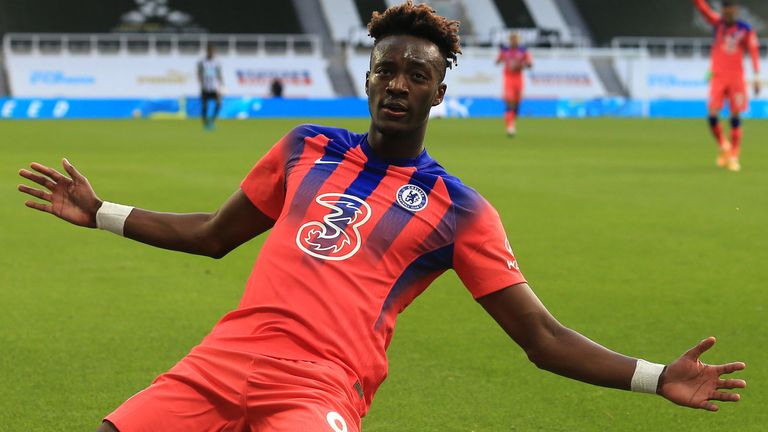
x,y
276,88
209,76
515,58
732,38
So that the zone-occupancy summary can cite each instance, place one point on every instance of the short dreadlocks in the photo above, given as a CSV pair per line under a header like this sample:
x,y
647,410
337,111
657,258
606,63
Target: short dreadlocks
x,y
421,21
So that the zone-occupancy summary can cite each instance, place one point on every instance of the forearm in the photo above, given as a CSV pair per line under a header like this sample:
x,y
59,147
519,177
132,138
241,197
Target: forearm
x,y
552,346
711,16
209,234
179,232
570,354
754,54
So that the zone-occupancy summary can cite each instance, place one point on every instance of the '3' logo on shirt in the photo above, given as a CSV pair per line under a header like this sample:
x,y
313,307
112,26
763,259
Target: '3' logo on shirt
x,y
337,236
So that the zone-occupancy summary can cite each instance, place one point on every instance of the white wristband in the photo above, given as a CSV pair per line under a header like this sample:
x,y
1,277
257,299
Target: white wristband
x,y
646,376
111,217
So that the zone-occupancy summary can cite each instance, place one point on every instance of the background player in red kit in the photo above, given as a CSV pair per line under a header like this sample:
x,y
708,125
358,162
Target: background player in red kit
x,y
733,37
361,225
515,58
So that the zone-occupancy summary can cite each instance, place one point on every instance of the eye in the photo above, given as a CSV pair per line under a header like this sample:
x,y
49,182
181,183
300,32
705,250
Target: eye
x,y
383,71
420,76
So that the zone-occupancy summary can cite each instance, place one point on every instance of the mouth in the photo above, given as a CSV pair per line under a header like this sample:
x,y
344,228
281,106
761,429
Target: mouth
x,y
394,109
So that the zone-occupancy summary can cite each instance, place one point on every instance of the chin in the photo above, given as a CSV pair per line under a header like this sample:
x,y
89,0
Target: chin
x,y
393,128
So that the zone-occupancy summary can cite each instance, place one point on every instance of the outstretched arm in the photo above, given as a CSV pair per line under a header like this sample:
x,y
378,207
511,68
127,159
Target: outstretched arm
x,y
711,16
556,348
753,46
212,234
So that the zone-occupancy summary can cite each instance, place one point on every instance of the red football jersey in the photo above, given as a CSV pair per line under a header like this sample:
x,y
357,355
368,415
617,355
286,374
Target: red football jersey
x,y
731,43
514,60
356,239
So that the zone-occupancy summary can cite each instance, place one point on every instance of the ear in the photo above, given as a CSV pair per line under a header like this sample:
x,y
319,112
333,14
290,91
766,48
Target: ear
x,y
440,94
367,76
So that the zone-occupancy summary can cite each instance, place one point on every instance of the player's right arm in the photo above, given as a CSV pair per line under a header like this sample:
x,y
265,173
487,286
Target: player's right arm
x,y
711,16
556,348
211,234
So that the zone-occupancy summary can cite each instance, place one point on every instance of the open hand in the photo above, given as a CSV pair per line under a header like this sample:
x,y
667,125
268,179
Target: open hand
x,y
689,382
71,199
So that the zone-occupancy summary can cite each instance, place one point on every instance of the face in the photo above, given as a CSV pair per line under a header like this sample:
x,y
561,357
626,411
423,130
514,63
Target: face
x,y
210,51
404,83
730,13
514,39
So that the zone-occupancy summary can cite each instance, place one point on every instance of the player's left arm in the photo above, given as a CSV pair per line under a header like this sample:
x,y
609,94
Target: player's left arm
x,y
528,61
556,348
753,46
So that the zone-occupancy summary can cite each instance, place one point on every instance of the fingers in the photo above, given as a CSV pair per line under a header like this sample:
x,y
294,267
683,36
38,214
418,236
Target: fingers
x,y
696,352
38,206
731,384
50,172
37,178
725,397
71,170
37,193
730,367
709,406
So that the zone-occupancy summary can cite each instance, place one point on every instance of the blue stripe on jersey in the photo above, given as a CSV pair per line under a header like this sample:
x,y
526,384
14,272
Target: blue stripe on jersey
x,y
362,187
312,182
436,261
396,218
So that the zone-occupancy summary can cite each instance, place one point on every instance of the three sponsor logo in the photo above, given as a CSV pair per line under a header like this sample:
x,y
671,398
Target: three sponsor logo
x,y
337,236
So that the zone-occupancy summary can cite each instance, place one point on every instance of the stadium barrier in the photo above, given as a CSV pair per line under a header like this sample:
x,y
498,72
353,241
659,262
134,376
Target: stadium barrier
x,y
453,107
152,66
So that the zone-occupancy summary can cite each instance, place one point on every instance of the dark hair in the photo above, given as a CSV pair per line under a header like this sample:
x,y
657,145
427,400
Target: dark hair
x,y
727,3
421,21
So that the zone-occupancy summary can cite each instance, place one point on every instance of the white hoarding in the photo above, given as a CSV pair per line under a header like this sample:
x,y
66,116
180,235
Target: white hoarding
x,y
477,75
141,76
670,78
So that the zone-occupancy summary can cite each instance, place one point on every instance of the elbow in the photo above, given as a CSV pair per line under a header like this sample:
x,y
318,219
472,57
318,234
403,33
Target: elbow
x,y
211,245
538,356
217,251
543,351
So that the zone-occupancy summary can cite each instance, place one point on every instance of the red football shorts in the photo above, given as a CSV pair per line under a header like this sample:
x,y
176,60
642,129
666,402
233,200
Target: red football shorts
x,y
213,389
735,90
513,89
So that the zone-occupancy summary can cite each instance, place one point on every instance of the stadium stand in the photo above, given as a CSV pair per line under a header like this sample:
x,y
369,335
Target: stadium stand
x,y
366,8
342,16
546,14
95,16
485,18
330,36
4,91
656,18
515,14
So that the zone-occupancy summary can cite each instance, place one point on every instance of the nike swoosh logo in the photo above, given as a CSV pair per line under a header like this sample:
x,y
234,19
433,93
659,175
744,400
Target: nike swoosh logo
x,y
321,161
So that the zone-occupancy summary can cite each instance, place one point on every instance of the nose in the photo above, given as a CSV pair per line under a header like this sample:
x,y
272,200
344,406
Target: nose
x,y
398,85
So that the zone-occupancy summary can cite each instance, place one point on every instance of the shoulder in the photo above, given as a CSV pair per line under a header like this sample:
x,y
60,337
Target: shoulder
x,y
743,25
338,135
464,197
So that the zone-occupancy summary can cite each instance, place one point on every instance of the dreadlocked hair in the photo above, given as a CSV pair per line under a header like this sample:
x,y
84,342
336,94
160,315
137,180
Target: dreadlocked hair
x,y
420,21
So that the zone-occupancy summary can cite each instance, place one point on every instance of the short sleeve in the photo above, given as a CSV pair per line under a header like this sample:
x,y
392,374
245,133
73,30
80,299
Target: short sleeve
x,y
483,257
265,183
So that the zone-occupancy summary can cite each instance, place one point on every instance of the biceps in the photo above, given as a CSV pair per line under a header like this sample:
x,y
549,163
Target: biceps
x,y
236,222
521,314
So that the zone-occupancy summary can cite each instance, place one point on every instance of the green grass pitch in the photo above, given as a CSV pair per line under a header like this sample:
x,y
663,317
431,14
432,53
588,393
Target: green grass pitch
x,y
625,229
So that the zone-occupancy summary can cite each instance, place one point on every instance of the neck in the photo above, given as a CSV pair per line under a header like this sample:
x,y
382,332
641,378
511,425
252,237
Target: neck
x,y
405,145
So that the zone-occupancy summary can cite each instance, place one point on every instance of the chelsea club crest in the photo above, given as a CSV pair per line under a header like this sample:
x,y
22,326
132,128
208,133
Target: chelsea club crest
x,y
412,197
